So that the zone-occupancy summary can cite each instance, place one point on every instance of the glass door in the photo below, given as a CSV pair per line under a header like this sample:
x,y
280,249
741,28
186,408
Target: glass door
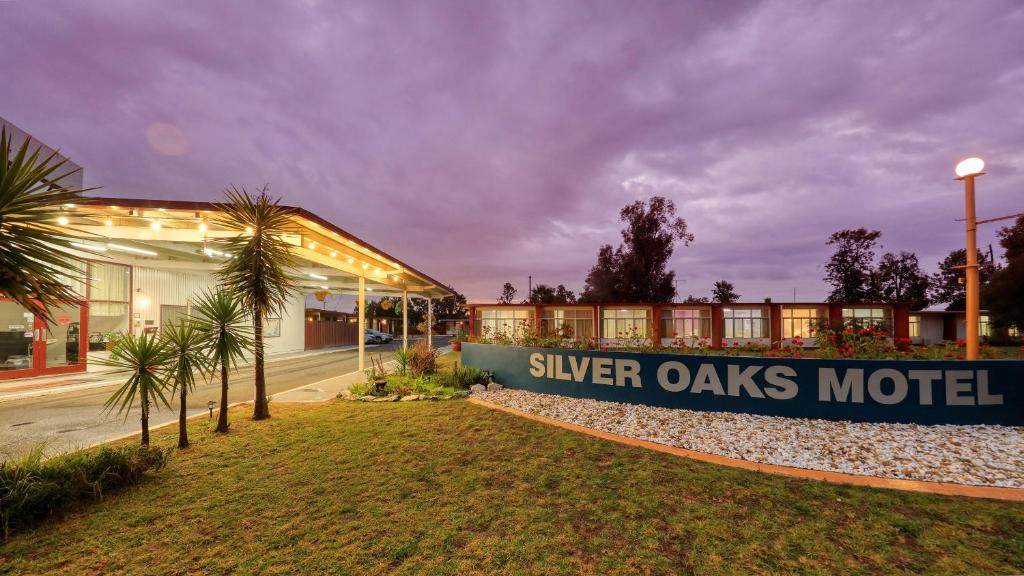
x,y
18,341
28,347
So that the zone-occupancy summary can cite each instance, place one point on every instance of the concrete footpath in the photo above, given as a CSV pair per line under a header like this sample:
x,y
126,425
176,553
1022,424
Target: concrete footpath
x,y
46,385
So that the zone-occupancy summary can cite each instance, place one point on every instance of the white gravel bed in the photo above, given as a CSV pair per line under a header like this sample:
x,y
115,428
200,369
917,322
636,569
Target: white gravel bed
x,y
980,455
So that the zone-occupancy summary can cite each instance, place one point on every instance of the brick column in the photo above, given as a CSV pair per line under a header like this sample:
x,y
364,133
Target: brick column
x,y
536,318
717,325
472,320
900,321
949,326
835,314
656,326
775,324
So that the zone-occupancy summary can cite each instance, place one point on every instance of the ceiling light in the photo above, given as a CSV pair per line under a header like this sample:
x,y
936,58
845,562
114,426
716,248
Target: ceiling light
x,y
317,276
203,227
323,287
155,224
248,230
312,245
334,254
62,220
108,222
89,247
131,249
365,265
351,260
69,205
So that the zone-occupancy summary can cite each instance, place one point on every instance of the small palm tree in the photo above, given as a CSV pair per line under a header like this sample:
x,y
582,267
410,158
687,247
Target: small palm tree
x,y
186,342
32,272
259,271
147,358
224,324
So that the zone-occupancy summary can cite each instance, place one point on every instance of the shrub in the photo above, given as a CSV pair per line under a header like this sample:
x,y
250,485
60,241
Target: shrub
x,y
402,357
422,359
32,489
462,377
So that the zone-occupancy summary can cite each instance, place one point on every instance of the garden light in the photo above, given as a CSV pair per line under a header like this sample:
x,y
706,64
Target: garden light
x,y
967,170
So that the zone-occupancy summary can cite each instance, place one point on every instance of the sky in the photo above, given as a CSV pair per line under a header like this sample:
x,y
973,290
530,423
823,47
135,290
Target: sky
x,y
483,142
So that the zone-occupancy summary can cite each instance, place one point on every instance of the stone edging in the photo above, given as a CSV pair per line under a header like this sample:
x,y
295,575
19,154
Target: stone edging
x,y
943,488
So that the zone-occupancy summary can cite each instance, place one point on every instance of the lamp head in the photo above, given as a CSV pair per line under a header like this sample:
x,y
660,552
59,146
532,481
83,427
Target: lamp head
x,y
969,167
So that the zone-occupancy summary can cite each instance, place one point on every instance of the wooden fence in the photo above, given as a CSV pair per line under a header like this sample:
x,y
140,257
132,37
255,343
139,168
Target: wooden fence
x,y
325,334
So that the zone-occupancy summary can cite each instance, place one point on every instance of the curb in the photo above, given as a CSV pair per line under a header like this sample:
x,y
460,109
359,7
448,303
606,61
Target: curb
x,y
941,488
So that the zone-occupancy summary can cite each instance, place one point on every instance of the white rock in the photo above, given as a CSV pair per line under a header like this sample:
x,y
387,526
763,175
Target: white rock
x,y
477,388
494,387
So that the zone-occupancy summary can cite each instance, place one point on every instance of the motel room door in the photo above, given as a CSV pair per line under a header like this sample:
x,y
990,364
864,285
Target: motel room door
x,y
28,347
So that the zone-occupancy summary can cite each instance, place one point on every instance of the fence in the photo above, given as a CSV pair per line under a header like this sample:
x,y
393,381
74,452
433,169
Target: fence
x,y
325,334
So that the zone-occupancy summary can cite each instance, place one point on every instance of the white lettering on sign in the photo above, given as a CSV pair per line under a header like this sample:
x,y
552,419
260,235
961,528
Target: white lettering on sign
x,y
885,386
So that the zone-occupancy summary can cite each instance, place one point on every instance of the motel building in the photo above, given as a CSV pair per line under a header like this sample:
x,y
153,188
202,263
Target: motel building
x,y
761,323
145,262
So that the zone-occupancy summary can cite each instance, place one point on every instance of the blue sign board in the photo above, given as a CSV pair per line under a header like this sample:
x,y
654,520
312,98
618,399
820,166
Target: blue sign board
x,y
910,391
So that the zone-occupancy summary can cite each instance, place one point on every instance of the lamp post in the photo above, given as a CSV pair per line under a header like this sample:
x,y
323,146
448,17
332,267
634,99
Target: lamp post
x,y
967,170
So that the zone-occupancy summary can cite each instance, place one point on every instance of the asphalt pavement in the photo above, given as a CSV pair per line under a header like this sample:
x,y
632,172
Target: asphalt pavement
x,y
76,419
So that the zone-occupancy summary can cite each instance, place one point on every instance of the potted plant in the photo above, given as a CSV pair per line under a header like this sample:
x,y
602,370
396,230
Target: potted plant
x,y
457,341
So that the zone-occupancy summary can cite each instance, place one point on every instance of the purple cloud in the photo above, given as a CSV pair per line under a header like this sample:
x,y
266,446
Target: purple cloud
x,y
485,141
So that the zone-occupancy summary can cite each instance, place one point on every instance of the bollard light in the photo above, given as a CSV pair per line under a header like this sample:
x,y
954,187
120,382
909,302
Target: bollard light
x,y
211,404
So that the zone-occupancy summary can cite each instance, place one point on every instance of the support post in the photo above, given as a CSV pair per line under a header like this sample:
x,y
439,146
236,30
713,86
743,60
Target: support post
x,y
973,299
361,337
405,318
430,323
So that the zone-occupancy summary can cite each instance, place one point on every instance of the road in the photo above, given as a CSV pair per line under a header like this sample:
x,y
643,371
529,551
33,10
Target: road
x,y
76,418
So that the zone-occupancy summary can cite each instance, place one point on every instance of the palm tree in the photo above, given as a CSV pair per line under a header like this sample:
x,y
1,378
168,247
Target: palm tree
x,y
224,324
259,269
186,342
32,272
147,357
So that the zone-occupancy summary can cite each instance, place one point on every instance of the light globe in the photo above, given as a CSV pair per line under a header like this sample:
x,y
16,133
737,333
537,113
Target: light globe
x,y
970,167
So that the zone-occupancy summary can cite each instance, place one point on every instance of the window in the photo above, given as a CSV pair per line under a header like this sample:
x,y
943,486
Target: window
x,y
621,323
745,322
984,327
508,321
915,326
1013,332
800,322
108,301
868,316
573,322
686,323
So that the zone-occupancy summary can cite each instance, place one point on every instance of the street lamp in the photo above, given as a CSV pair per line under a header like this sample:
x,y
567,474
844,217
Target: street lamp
x,y
967,170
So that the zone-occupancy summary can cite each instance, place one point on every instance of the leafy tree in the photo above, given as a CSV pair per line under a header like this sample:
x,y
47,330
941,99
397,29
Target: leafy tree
x,y
186,343
947,284
724,292
1003,294
34,267
850,269
544,294
901,280
259,270
146,358
226,327
1012,239
691,299
508,293
635,271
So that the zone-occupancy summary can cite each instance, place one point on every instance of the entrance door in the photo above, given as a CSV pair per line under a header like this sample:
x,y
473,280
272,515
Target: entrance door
x,y
28,347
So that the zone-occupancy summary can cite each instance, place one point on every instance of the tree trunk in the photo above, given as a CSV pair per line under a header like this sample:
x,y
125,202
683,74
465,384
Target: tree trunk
x,y
262,409
145,422
222,419
182,426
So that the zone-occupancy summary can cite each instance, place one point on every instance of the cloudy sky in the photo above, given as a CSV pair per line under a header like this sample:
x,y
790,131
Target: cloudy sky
x,y
486,141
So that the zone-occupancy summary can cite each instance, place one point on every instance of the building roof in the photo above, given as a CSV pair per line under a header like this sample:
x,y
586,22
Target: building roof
x,y
186,231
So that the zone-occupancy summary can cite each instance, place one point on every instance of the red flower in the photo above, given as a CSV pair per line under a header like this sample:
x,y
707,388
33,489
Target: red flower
x,y
735,343
948,354
960,342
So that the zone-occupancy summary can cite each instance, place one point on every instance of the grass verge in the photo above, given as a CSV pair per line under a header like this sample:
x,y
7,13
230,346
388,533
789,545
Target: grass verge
x,y
453,488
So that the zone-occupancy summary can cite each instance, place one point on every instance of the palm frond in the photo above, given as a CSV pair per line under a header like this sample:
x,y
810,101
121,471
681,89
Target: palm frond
x,y
146,357
225,325
36,270
187,343
260,271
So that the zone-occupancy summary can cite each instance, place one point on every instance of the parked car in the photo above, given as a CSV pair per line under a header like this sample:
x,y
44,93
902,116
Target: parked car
x,y
384,336
370,337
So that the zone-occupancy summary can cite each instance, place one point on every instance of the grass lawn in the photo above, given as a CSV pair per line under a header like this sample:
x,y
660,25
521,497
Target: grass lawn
x,y
453,488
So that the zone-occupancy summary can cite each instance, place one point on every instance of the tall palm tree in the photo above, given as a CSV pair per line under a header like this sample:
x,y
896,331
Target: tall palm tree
x,y
259,271
187,344
32,272
146,357
225,327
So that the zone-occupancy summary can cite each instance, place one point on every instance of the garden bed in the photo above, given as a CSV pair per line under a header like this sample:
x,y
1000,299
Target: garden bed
x,y
981,455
